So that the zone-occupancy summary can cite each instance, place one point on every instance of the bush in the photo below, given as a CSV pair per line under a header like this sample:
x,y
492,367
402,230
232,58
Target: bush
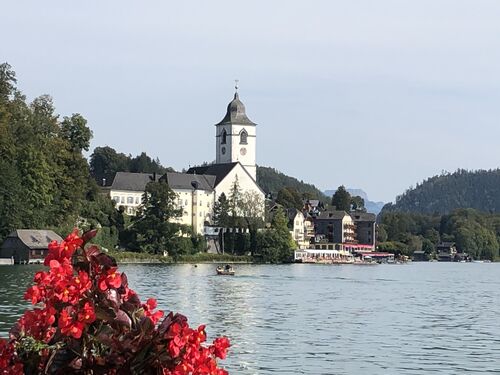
x,y
89,321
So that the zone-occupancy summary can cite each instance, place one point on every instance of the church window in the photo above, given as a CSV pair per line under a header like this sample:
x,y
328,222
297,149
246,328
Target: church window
x,y
224,136
243,137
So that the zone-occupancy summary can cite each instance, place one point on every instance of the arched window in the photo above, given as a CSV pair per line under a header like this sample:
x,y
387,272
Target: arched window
x,y
243,137
224,136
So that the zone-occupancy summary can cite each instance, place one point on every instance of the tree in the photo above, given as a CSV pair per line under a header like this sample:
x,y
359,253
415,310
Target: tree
x,y
12,203
153,227
358,204
7,81
234,201
75,130
252,212
381,233
290,198
105,162
276,244
221,212
341,200
144,164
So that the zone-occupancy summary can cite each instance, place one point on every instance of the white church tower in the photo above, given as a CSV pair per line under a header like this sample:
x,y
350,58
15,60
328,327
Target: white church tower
x,y
236,137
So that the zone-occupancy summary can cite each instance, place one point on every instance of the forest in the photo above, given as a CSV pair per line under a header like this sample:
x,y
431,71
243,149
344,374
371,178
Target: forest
x,y
446,192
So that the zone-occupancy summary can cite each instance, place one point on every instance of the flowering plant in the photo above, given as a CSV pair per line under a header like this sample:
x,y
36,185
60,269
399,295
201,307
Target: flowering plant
x,y
87,320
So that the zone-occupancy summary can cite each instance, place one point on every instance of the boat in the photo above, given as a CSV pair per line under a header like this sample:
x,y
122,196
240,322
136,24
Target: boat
x,y
225,271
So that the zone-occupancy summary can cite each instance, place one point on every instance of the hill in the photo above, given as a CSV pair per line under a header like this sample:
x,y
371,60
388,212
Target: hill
x,y
271,181
444,193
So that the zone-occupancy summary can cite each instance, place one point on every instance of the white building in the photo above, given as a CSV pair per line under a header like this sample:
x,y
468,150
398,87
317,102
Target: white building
x,y
235,142
236,138
127,190
200,187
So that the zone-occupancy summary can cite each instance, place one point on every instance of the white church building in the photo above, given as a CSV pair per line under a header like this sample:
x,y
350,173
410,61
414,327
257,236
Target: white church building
x,y
199,188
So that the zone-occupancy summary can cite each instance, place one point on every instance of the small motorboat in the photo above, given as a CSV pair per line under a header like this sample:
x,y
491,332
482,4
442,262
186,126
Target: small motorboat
x,y
226,270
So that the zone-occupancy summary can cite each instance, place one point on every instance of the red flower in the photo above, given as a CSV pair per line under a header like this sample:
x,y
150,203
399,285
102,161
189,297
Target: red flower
x,y
68,325
35,294
220,346
110,279
82,281
87,314
64,250
148,307
67,320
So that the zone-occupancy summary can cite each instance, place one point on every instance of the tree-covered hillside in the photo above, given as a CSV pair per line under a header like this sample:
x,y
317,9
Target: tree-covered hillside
x,y
449,191
272,181
106,161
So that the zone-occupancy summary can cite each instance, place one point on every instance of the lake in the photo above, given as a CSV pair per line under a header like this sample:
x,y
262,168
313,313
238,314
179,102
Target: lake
x,y
439,318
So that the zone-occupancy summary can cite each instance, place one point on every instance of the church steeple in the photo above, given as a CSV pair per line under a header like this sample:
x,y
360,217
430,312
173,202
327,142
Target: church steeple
x,y
236,136
236,113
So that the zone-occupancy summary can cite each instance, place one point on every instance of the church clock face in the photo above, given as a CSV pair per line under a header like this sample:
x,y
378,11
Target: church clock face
x,y
243,151
223,150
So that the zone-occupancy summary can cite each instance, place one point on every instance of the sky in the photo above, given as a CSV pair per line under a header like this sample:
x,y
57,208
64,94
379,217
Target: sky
x,y
377,95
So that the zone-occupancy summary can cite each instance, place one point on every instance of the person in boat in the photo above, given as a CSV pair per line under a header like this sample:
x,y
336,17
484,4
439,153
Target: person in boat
x,y
228,267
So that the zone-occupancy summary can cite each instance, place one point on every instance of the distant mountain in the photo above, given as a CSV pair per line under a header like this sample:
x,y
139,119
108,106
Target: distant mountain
x,y
271,181
371,206
449,191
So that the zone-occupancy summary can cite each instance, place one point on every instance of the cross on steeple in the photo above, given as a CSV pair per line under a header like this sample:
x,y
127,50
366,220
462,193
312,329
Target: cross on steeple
x,y
236,86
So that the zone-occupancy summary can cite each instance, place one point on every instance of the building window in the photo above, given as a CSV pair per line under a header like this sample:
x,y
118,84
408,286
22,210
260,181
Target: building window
x,y
123,199
243,137
186,202
130,200
136,200
224,137
201,203
116,199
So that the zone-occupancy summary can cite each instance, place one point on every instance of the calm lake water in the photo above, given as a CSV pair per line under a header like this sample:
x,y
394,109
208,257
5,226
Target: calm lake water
x,y
439,318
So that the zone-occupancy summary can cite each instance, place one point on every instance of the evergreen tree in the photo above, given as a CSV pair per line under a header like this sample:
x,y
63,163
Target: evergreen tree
x,y
234,202
221,211
341,200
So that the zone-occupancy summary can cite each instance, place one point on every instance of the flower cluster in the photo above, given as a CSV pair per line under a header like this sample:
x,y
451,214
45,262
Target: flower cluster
x,y
87,319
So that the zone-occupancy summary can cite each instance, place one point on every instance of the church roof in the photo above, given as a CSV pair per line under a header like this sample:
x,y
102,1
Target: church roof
x,y
236,113
218,170
189,181
129,181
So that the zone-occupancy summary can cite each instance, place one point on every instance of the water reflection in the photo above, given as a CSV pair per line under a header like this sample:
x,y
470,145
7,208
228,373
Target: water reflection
x,y
313,319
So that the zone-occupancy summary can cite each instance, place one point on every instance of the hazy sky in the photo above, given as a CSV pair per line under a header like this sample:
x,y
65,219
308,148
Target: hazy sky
x,y
371,94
